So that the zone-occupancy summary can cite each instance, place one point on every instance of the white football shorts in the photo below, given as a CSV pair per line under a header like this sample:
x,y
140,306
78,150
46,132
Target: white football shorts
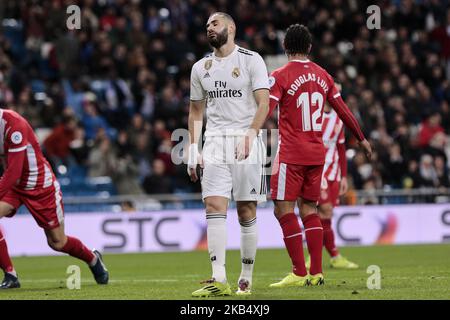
x,y
223,175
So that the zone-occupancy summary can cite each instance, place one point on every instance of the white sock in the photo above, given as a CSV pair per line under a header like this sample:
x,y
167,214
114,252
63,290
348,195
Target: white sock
x,y
217,242
93,262
14,273
249,242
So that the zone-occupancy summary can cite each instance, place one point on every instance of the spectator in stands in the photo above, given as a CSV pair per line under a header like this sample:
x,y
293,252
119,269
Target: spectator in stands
x,y
79,148
92,121
428,128
102,157
412,178
157,181
442,172
125,176
428,174
132,59
395,166
57,144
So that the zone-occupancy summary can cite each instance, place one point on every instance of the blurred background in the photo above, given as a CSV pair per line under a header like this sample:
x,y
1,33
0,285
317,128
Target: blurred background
x,y
105,99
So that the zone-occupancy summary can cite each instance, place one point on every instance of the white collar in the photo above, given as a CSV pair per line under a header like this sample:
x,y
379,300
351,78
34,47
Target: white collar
x,y
236,47
301,61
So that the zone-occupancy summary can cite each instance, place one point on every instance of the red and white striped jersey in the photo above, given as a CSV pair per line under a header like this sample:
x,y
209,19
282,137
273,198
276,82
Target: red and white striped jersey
x,y
333,134
16,137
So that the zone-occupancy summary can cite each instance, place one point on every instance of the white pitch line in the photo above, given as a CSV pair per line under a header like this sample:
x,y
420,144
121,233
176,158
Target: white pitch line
x,y
92,281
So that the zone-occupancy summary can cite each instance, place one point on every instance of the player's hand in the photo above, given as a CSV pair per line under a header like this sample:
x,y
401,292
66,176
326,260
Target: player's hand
x,y
367,148
343,186
244,146
194,159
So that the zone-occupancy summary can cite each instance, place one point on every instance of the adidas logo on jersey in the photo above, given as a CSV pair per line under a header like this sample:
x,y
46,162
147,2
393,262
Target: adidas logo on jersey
x,y
206,75
253,191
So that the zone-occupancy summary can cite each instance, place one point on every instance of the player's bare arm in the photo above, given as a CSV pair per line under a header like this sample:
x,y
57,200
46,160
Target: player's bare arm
x,y
365,145
195,121
262,100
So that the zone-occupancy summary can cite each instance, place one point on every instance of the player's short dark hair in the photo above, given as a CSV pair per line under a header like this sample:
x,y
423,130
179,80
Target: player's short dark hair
x,y
298,39
225,15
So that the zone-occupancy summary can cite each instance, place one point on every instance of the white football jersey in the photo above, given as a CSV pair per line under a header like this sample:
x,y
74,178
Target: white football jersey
x,y
228,84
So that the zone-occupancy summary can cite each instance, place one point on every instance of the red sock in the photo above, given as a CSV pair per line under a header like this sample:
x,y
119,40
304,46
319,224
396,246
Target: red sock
x,y
77,249
293,240
5,261
328,238
314,240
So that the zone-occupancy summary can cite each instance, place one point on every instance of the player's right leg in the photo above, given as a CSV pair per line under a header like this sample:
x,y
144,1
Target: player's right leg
x,y
310,194
10,280
314,239
216,192
46,207
284,185
292,236
58,241
217,285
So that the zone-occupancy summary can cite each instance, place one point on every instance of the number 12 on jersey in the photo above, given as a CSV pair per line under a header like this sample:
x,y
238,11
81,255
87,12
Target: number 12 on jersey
x,y
307,103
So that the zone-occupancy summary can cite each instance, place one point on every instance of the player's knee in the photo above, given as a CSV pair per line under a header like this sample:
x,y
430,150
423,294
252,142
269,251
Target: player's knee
x,y
56,244
326,211
246,211
307,208
277,213
5,209
282,208
213,205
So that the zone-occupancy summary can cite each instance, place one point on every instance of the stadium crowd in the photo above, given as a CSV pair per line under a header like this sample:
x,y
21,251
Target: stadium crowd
x,y
113,91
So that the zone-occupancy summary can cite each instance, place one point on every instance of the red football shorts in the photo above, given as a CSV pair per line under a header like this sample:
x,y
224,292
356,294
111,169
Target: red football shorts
x,y
290,182
329,192
44,204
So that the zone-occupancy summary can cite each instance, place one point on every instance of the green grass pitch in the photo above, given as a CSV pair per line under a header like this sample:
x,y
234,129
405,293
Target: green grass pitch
x,y
408,272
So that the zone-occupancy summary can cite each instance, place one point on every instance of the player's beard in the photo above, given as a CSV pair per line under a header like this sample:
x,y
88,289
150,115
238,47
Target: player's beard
x,y
220,39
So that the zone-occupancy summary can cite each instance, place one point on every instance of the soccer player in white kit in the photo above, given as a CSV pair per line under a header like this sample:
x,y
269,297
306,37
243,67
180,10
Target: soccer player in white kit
x,y
232,83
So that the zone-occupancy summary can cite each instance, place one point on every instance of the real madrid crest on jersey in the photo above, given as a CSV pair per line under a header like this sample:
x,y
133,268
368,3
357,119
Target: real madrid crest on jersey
x,y
235,73
208,64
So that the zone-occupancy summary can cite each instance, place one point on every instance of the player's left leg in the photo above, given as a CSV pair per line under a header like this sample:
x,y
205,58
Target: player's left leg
x,y
249,188
249,241
337,260
47,208
10,279
58,241
311,221
326,214
8,207
314,238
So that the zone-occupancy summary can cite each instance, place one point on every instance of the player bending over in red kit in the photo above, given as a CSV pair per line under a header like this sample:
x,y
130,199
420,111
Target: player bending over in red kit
x,y
300,89
28,179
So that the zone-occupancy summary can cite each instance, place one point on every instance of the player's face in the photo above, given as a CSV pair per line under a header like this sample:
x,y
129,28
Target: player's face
x,y
216,31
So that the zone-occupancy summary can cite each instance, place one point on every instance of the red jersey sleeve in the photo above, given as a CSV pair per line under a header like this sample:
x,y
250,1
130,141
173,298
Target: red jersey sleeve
x,y
276,91
335,100
342,159
341,138
16,138
15,145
